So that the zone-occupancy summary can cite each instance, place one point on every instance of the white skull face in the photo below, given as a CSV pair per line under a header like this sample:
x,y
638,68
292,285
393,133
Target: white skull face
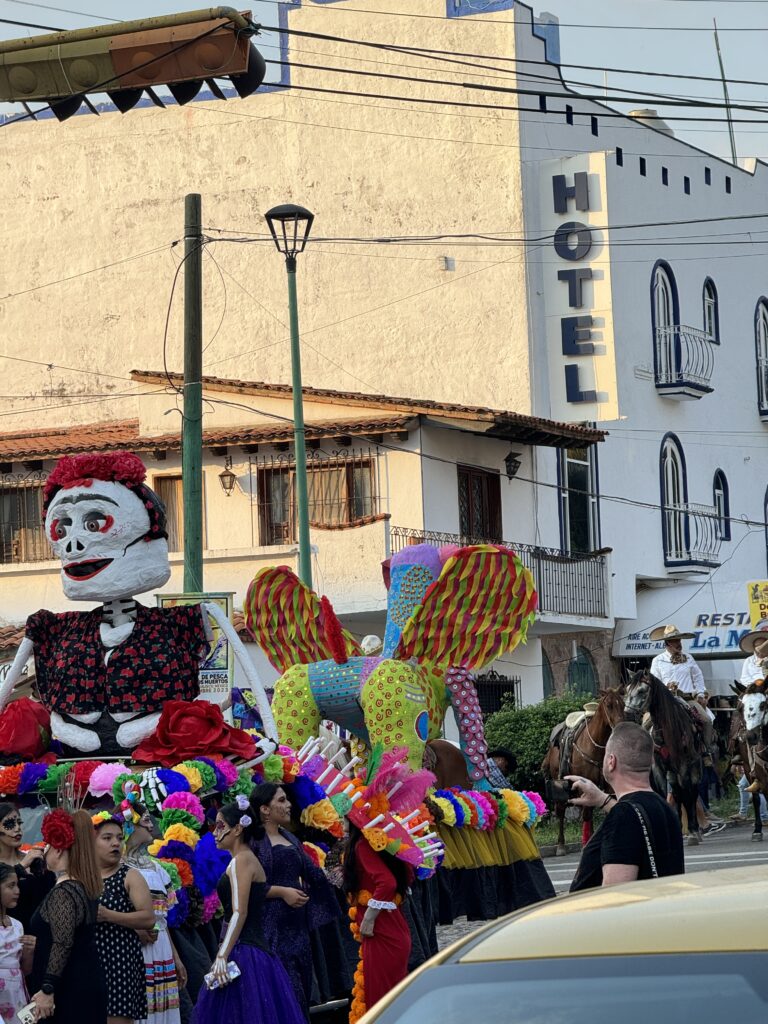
x,y
95,532
755,706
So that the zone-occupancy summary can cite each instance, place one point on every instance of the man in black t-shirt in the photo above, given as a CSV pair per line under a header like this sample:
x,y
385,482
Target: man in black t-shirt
x,y
641,835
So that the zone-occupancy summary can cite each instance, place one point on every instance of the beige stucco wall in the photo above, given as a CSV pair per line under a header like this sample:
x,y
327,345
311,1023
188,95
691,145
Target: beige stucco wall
x,y
95,191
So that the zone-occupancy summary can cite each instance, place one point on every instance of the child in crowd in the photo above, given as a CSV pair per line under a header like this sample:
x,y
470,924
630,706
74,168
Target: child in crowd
x,y
15,948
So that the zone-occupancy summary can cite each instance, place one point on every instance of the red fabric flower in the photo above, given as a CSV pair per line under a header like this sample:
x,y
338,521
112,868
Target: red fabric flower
x,y
81,776
25,729
189,729
58,830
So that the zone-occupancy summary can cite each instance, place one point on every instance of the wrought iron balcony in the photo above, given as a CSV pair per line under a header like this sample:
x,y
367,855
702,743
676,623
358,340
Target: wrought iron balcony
x,y
692,536
684,361
566,584
762,388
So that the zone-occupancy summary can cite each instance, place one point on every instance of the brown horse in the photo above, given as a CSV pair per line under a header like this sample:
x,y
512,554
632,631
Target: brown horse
x,y
587,750
448,764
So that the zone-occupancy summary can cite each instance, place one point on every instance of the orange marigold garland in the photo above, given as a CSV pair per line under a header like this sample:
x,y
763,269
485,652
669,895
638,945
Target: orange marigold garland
x,y
358,1007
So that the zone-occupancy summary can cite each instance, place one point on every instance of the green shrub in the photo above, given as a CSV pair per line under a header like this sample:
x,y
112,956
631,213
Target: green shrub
x,y
526,731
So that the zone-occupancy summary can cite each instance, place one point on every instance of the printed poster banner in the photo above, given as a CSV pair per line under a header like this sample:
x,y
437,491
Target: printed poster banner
x,y
757,598
717,616
217,672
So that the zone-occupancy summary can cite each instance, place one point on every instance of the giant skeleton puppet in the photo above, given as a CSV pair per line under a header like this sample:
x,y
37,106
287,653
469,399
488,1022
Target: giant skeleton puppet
x,y
105,674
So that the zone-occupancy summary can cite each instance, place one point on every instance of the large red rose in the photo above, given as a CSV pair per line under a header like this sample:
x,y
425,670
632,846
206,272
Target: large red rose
x,y
25,729
189,729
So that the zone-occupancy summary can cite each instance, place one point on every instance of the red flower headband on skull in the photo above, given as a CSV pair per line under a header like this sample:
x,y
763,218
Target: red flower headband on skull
x,y
118,467
58,830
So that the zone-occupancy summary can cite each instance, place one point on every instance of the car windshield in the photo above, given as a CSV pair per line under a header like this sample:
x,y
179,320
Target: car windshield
x,y
708,989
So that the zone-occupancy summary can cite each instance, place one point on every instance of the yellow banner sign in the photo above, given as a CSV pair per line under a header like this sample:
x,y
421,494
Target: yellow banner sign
x,y
757,596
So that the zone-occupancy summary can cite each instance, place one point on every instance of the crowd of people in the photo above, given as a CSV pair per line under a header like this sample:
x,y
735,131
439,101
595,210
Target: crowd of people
x,y
84,934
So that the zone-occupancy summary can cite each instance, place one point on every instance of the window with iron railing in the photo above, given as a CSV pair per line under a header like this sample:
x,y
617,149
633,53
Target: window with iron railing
x,y
761,346
22,533
341,488
169,491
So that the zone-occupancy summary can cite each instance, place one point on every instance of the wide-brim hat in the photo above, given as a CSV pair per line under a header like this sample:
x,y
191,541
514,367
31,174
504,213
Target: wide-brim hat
x,y
760,632
669,632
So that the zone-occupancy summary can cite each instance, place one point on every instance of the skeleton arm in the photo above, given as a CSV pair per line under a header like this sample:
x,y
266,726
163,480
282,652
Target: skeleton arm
x,y
262,703
24,653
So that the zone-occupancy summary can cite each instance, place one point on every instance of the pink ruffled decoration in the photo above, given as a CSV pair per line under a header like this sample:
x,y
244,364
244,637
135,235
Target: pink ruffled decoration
x,y
103,778
228,770
211,904
489,811
538,803
185,802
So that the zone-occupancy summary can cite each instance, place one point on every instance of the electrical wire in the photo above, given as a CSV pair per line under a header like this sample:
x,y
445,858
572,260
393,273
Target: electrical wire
x,y
85,273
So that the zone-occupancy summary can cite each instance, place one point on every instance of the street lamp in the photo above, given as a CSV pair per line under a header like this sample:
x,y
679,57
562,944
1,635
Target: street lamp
x,y
512,464
290,226
227,478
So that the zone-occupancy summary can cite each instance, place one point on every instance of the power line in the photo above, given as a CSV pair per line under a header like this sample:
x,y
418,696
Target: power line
x,y
85,273
704,104
63,10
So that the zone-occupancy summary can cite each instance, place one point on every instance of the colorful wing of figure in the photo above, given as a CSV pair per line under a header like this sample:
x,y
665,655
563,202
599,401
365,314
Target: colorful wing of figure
x,y
291,624
479,608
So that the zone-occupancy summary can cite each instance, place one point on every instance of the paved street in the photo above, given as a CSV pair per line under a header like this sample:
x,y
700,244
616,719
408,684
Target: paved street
x,y
728,849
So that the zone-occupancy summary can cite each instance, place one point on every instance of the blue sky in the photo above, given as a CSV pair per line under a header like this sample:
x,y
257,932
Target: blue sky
x,y
685,45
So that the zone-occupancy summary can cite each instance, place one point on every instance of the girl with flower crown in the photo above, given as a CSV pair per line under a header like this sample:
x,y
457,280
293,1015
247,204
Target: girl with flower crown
x,y
67,979
247,985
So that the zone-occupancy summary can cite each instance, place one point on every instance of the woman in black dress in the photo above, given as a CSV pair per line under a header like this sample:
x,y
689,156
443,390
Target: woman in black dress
x,y
67,979
126,904
35,881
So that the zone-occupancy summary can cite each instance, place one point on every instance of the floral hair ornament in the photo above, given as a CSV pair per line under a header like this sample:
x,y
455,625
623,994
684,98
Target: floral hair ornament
x,y
58,830
106,817
243,804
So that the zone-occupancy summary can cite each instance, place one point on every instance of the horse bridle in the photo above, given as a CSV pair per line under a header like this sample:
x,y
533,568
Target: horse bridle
x,y
646,703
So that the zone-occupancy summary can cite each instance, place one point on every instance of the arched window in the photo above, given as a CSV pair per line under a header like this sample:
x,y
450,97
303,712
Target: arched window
x,y
674,495
664,313
761,347
547,677
722,503
711,313
582,677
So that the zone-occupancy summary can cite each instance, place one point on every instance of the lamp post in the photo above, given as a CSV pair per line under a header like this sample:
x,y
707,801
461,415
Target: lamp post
x,y
290,226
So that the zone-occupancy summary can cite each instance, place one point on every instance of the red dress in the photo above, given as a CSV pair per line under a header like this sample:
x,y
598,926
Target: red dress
x,y
386,953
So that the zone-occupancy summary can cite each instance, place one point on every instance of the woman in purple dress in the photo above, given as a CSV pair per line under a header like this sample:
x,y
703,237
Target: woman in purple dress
x,y
299,896
261,993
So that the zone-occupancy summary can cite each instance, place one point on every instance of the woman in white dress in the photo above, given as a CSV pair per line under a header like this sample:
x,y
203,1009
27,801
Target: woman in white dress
x,y
165,972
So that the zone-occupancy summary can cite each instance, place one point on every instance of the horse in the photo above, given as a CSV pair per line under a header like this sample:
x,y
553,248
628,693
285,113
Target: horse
x,y
448,764
749,729
679,746
582,753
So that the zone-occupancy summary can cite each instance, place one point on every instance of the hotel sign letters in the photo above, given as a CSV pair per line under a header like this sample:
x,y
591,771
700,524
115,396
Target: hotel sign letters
x,y
573,242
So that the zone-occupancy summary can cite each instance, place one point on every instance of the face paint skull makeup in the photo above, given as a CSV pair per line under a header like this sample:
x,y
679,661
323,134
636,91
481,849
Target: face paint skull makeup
x,y
107,527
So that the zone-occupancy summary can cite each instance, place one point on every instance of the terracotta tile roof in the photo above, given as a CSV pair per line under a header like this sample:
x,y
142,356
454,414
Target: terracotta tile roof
x,y
10,637
123,435
507,424
112,435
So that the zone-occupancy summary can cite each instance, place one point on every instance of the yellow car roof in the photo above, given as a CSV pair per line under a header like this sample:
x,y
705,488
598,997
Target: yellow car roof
x,y
704,912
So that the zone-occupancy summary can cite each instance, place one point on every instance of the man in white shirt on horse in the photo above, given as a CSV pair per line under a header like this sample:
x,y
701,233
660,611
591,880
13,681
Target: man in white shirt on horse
x,y
680,673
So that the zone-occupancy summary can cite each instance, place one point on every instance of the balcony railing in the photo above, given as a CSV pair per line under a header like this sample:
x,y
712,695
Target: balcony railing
x,y
684,361
566,584
693,535
762,387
